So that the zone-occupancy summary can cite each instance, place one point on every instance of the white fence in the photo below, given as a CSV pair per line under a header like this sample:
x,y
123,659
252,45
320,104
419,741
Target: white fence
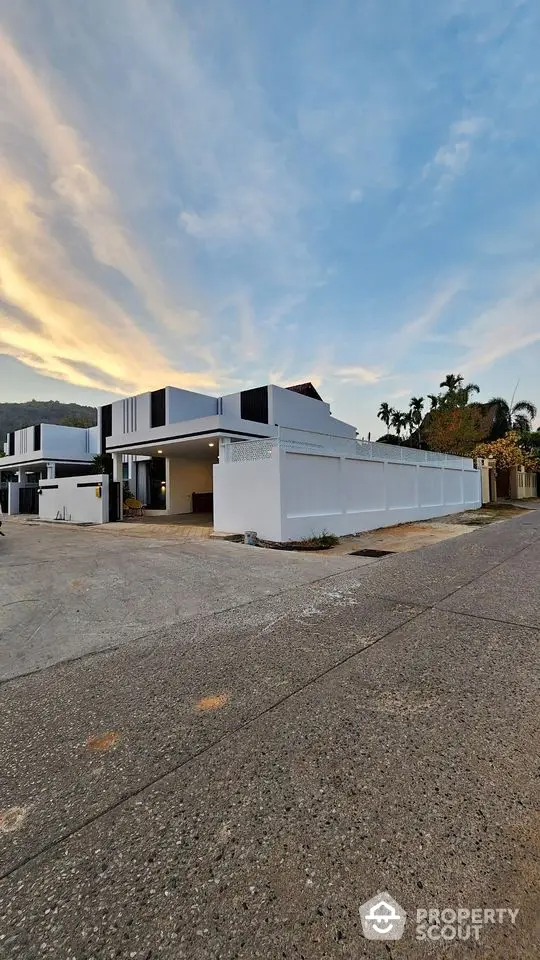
x,y
286,490
75,499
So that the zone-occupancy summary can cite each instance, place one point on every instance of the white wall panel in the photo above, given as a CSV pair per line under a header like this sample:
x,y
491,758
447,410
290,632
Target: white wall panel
x,y
75,499
401,485
363,485
453,487
310,485
430,491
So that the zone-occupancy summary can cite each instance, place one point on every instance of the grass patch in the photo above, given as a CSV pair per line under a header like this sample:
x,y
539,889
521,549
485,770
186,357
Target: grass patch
x,y
319,541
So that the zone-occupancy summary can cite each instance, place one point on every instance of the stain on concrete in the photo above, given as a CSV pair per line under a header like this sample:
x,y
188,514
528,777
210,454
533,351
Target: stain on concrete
x,y
12,819
214,702
103,742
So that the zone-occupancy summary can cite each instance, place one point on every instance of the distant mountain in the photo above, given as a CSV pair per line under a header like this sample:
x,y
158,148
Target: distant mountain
x,y
14,416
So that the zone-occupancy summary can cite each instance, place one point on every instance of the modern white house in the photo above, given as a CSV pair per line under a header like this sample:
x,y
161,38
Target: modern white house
x,y
268,459
274,460
49,450
45,451
172,438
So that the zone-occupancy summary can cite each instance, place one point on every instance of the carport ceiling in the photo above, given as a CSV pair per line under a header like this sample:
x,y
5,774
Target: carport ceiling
x,y
197,448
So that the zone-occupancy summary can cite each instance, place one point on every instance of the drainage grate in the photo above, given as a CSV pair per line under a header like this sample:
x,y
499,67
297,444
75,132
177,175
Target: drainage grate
x,y
371,553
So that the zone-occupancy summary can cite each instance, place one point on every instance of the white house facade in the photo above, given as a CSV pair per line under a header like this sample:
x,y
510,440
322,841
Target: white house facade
x,y
49,450
45,451
172,438
269,459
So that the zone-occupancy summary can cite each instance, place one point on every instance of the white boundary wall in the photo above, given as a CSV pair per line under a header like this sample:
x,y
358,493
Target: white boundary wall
x,y
286,490
75,499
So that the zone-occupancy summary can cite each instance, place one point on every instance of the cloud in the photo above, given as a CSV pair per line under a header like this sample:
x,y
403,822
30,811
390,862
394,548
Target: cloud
x,y
57,321
85,197
358,374
421,326
452,157
507,326
180,181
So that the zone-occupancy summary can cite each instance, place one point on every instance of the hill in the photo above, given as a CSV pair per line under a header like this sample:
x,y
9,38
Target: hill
x,y
14,416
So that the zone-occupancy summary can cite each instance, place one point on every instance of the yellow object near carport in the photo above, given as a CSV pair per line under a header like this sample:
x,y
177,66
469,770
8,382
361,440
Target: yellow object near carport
x,y
133,506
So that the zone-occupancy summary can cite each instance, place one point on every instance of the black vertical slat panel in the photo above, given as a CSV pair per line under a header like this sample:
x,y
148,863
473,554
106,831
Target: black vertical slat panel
x,y
157,408
254,404
106,425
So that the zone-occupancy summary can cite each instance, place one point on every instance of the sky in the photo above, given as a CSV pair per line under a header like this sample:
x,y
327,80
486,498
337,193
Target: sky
x,y
216,195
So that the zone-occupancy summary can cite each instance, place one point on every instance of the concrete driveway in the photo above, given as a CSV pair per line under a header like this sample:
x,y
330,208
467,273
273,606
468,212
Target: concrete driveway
x,y
70,591
237,783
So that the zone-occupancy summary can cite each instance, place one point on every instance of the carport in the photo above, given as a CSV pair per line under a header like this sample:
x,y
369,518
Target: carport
x,y
173,479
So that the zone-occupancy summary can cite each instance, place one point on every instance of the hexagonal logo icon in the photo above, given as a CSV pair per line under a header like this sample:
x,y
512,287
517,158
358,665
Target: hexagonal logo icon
x,y
382,918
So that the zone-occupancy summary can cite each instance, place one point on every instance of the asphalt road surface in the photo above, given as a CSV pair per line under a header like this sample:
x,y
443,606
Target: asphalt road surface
x,y
238,781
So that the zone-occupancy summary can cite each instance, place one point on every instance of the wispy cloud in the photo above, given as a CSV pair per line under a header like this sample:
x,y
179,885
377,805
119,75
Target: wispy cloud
x,y
227,193
358,374
453,156
507,326
57,321
422,325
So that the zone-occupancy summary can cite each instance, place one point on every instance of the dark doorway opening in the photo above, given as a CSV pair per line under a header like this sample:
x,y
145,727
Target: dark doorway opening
x,y
503,484
28,500
157,488
114,501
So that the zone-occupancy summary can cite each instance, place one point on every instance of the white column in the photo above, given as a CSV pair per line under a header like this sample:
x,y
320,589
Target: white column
x,y
21,476
51,471
13,498
117,467
224,443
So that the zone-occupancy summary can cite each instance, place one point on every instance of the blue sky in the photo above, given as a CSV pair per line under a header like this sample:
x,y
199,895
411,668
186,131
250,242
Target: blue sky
x,y
221,194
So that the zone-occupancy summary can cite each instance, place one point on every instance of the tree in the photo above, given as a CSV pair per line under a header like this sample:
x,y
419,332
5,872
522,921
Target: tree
x,y
456,430
463,394
507,452
399,420
102,463
416,406
511,416
385,414
451,382
434,400
78,420
458,394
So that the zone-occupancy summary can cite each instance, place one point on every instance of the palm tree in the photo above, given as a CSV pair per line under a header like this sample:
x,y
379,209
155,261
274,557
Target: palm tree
x,y
416,406
511,416
409,422
452,382
434,399
385,414
463,394
521,423
399,420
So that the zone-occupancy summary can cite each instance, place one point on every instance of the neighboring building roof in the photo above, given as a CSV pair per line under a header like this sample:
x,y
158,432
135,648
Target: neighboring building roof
x,y
307,389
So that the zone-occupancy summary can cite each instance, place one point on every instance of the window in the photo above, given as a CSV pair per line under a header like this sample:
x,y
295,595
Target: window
x,y
157,408
11,444
37,437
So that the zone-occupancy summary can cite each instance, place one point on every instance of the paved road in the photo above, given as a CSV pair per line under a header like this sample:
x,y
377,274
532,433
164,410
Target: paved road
x,y
237,784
